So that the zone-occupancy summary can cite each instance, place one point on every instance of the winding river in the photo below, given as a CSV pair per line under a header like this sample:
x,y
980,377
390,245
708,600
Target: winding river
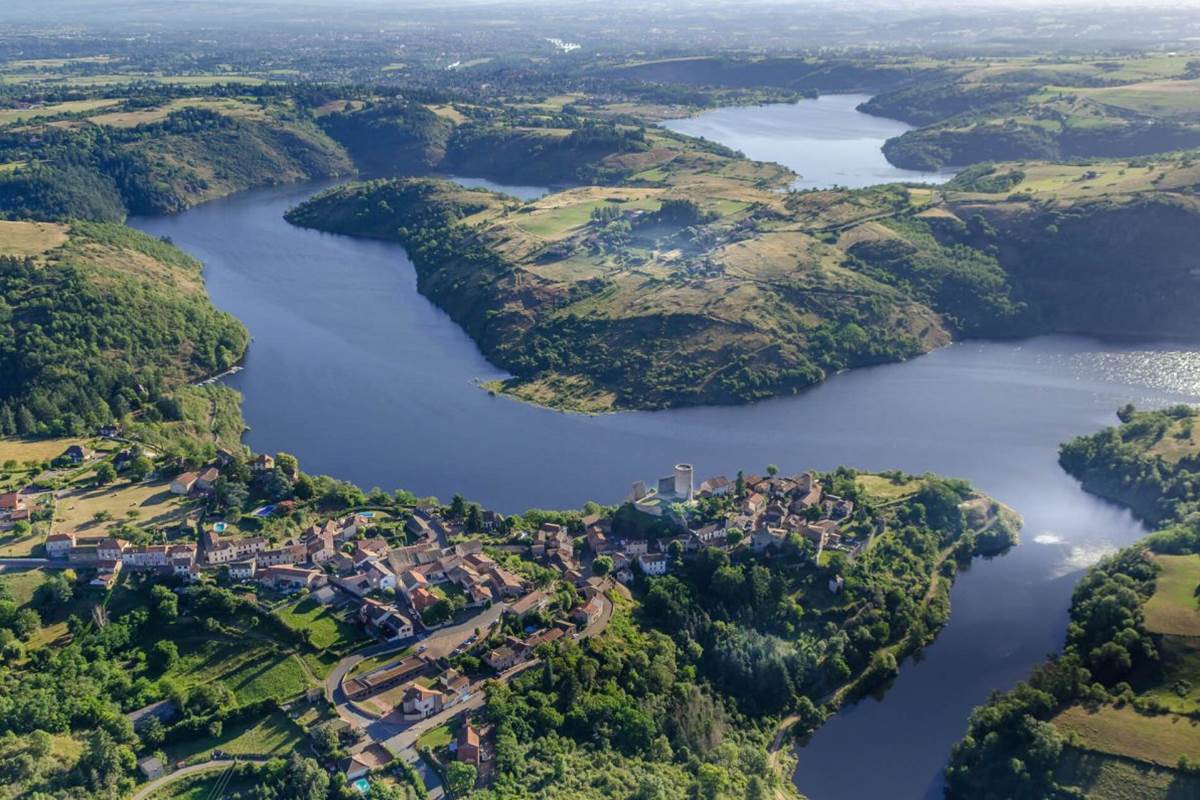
x,y
355,372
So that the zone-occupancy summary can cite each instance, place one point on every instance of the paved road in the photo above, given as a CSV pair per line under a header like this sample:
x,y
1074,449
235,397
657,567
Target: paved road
x,y
438,644
179,774
30,563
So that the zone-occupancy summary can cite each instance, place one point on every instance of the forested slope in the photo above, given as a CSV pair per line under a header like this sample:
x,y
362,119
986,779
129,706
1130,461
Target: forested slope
x,y
97,321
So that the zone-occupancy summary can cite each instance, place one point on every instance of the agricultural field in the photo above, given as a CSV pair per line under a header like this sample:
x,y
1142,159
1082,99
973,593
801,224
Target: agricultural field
x,y
274,734
252,670
146,504
1103,777
1175,607
12,116
22,584
1158,739
23,239
231,107
22,451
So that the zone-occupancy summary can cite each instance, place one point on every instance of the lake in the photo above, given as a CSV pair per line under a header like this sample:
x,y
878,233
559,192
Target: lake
x,y
362,378
825,141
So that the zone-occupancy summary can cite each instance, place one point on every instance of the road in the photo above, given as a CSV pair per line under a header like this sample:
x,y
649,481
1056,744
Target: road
x,y
179,774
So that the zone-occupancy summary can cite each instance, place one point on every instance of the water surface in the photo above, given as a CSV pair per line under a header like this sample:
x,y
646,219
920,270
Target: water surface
x,y
358,375
826,141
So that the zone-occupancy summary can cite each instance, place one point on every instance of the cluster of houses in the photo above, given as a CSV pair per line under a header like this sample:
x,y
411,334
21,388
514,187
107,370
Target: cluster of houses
x,y
772,509
431,563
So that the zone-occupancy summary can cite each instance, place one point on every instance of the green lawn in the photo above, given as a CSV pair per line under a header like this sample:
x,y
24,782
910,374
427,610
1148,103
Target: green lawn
x,y
265,736
328,630
1173,608
438,737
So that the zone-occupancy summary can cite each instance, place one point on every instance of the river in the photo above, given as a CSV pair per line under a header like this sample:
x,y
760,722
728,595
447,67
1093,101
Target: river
x,y
356,373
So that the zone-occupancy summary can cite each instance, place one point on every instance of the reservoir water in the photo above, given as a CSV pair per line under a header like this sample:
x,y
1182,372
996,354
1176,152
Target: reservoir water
x,y
359,376
825,141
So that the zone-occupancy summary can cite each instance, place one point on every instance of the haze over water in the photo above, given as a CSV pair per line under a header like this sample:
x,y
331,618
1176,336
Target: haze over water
x,y
357,374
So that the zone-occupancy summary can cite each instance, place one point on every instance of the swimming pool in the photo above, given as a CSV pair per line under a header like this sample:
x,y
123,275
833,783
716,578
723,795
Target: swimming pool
x,y
265,511
219,527
363,786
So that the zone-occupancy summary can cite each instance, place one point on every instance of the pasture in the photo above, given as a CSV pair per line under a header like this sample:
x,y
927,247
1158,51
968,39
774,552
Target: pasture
x,y
1173,608
1157,739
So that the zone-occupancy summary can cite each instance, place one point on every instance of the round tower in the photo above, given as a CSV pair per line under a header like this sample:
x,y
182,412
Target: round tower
x,y
683,481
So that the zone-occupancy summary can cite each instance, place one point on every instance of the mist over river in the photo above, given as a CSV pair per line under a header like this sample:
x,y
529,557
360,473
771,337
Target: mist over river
x,y
362,378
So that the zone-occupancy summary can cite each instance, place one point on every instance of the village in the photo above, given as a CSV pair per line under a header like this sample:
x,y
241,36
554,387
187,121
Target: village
x,y
446,603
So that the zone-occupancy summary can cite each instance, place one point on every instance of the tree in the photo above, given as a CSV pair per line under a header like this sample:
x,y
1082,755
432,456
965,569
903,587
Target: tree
x,y
163,655
105,474
772,470
325,741
458,507
166,604
602,565
474,522
288,463
460,777
139,468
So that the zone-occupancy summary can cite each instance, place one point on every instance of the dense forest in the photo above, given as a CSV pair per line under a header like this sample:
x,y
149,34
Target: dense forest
x,y
102,173
104,326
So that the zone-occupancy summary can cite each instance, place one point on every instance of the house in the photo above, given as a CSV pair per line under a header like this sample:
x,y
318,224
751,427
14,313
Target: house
x,y
492,520
653,563
58,545
106,574
147,557
366,761
164,711
637,547
384,620
262,463
111,549
754,504
589,613
383,679
220,550
762,538
242,570
77,454
289,577
597,541
375,547
224,457
206,481
504,657
11,501
151,767
110,431
454,685
420,702
716,487
289,553
184,483
836,583
534,601
422,599
468,750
